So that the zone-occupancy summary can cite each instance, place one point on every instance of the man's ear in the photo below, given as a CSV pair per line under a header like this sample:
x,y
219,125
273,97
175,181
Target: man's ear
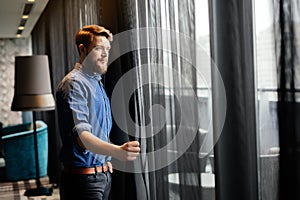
x,y
82,49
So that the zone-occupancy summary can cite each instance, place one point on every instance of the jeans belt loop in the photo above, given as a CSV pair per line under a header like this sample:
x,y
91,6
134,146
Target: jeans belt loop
x,y
96,170
102,166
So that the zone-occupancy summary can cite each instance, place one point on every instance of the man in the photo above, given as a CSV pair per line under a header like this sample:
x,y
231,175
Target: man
x,y
85,121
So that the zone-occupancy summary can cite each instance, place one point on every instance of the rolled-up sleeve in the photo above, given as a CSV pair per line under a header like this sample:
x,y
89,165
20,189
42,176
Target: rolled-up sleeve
x,y
78,102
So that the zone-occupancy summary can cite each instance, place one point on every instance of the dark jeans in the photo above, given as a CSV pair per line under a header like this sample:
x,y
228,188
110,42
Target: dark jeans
x,y
84,187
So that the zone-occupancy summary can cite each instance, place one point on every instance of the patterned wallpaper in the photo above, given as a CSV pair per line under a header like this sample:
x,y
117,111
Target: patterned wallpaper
x,y
9,48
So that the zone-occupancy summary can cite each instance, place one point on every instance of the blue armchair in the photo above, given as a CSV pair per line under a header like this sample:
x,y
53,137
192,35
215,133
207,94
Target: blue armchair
x,y
18,152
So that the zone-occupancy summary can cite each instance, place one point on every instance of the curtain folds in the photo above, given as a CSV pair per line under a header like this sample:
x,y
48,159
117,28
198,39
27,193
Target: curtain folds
x,y
180,179
165,79
236,150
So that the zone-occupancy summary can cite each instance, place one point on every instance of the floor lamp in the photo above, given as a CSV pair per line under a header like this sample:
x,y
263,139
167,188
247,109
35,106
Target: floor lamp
x,y
33,93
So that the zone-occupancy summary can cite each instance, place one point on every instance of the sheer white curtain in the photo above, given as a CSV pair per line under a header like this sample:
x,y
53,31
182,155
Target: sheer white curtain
x,y
268,138
172,100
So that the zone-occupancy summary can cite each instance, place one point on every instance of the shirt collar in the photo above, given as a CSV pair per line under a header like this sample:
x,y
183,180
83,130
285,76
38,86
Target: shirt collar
x,y
90,74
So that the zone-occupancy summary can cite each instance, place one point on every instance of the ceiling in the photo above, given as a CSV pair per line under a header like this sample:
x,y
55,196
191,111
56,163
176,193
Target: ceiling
x,y
11,12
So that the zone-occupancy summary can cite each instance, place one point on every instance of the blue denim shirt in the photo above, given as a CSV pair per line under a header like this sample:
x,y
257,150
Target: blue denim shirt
x,y
82,105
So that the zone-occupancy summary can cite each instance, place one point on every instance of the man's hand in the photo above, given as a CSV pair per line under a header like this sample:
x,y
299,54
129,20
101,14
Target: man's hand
x,y
129,151
126,152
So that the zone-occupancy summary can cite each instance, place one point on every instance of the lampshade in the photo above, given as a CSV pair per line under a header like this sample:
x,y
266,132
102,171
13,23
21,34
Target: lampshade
x,y
32,84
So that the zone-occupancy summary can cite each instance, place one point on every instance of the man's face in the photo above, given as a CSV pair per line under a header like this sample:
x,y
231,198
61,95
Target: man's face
x,y
97,57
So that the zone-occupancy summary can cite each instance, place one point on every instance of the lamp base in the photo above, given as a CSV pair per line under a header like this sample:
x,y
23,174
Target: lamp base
x,y
40,191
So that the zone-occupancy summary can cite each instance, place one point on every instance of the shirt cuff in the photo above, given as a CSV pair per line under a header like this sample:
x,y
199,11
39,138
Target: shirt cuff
x,y
82,127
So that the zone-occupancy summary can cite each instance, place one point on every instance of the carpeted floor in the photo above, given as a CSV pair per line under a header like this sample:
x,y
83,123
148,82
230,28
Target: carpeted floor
x,y
15,190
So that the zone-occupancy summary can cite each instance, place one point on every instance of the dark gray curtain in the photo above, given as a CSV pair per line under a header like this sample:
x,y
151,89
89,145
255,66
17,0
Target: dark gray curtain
x,y
118,16
286,25
232,51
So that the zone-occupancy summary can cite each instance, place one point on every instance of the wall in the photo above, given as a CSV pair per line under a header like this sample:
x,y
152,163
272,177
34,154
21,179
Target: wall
x,y
9,48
